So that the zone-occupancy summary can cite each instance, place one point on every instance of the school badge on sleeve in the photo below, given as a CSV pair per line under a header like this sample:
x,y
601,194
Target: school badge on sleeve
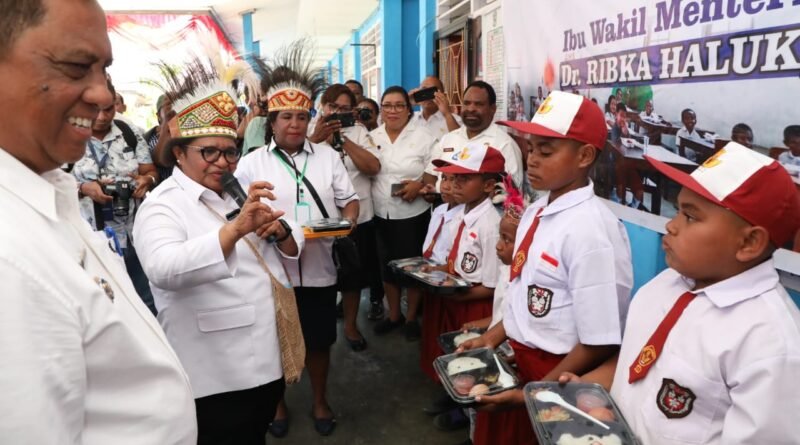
x,y
674,400
469,262
539,301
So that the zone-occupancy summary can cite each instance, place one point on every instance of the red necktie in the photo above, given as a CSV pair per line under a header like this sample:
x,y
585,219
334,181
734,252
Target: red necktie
x,y
451,259
652,349
429,251
522,253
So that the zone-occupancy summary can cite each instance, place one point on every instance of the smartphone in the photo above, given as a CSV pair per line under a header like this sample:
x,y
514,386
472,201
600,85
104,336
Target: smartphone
x,y
397,187
425,94
347,119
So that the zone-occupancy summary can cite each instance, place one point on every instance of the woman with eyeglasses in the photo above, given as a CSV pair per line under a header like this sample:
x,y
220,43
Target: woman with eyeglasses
x,y
336,127
401,213
206,261
310,181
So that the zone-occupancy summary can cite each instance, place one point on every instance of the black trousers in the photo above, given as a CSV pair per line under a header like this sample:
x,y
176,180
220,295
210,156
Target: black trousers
x,y
238,417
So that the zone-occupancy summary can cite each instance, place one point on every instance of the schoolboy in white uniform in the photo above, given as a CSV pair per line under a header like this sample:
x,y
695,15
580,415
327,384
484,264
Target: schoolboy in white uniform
x,y
571,273
440,234
712,345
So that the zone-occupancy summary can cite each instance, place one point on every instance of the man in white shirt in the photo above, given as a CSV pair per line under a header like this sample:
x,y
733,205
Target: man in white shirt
x,y
84,361
480,104
435,114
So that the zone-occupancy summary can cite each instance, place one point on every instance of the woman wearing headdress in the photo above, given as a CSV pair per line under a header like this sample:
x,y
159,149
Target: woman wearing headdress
x,y
224,300
310,181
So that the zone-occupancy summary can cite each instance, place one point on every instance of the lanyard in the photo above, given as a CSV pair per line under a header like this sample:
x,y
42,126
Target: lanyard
x,y
101,164
297,179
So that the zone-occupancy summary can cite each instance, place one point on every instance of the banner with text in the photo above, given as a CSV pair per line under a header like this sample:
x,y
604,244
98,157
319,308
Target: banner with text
x,y
730,61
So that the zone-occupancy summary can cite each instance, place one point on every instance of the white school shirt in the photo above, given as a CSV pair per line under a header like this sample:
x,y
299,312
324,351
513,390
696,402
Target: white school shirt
x,y
330,179
210,306
436,123
492,136
406,158
361,183
652,117
500,291
77,366
575,285
445,241
476,259
694,136
729,368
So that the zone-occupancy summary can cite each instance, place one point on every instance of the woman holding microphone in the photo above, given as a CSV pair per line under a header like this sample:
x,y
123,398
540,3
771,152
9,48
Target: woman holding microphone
x,y
220,288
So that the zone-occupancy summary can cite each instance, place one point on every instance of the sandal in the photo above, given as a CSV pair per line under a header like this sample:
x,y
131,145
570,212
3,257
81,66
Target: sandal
x,y
357,345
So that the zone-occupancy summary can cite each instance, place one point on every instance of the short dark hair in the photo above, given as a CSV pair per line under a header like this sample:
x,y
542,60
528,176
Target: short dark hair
x,y
484,86
399,90
360,87
621,107
687,110
792,131
17,16
375,107
741,128
334,91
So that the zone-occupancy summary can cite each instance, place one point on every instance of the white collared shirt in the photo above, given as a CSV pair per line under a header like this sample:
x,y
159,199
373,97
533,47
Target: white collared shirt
x,y
652,117
575,285
503,271
327,173
436,123
442,215
362,183
210,306
476,259
78,367
492,136
736,347
403,159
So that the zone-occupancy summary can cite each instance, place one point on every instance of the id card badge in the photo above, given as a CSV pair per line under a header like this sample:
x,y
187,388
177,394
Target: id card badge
x,y
302,211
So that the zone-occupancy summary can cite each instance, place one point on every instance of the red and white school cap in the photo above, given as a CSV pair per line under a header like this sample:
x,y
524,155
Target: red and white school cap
x,y
751,185
472,158
566,116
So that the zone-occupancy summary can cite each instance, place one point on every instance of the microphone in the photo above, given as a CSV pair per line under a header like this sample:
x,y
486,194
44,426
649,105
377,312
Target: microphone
x,y
232,187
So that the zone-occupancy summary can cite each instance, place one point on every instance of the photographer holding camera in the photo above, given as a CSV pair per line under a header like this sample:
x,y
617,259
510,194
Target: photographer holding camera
x,y
115,172
336,126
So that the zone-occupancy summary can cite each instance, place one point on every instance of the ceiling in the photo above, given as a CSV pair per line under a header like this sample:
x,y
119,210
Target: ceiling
x,y
275,22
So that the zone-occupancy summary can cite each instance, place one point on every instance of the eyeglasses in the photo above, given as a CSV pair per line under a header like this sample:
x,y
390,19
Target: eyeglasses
x,y
393,107
336,108
212,154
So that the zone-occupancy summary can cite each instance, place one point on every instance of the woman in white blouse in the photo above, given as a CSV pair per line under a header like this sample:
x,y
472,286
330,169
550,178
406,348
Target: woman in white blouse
x,y
290,162
401,212
214,297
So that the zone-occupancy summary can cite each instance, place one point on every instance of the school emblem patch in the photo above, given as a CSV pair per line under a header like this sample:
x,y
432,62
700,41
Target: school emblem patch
x,y
674,400
469,262
539,301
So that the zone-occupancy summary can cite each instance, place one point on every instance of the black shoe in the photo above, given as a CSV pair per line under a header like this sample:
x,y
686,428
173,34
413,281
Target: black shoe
x,y
357,345
387,325
441,405
452,420
375,311
279,428
412,330
324,425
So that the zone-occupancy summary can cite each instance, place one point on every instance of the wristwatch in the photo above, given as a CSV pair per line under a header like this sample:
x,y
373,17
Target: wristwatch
x,y
288,230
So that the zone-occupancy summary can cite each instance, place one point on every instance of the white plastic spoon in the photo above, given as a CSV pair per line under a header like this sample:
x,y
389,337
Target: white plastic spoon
x,y
551,397
506,380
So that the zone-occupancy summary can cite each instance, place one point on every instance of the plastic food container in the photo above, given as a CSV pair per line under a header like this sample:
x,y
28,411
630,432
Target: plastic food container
x,y
439,282
473,372
404,266
450,341
326,228
557,425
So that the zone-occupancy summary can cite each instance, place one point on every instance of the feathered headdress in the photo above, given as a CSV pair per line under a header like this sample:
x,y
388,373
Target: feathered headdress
x,y
203,93
514,204
290,81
